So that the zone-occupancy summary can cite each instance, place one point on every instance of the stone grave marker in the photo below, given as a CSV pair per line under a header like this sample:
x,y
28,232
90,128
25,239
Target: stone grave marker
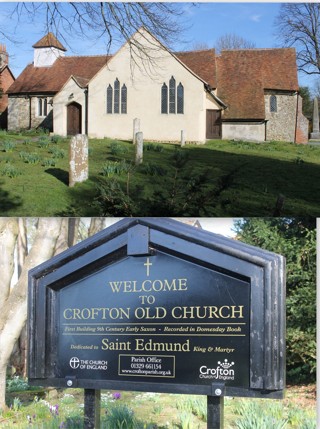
x,y
78,159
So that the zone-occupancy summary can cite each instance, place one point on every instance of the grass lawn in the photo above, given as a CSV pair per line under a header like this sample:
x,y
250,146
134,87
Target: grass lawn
x,y
220,178
63,409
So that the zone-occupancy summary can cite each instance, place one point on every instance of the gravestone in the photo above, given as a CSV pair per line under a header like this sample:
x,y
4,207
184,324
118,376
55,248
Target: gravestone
x,y
183,138
315,135
136,129
78,159
155,305
139,148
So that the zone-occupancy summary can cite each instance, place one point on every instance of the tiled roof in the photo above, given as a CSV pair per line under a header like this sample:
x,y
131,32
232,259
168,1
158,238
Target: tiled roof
x,y
36,80
49,41
239,76
202,63
243,75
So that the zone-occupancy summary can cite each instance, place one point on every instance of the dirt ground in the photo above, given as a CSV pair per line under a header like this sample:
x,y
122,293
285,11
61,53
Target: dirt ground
x,y
304,395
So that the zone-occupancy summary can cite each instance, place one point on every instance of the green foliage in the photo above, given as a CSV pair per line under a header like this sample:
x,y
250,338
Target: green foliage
x,y
111,199
262,415
117,149
153,147
56,139
121,417
307,105
10,171
57,152
16,384
111,168
48,162
43,142
180,158
153,169
8,146
294,238
185,421
30,158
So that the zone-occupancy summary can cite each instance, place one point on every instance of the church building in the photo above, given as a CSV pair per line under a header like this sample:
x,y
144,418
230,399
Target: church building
x,y
238,94
6,80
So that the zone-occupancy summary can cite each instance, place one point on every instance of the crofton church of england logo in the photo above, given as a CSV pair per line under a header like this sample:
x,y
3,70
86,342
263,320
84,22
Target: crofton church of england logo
x,y
223,371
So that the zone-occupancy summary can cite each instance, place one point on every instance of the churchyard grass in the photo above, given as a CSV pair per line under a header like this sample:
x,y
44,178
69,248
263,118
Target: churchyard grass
x,y
63,409
220,178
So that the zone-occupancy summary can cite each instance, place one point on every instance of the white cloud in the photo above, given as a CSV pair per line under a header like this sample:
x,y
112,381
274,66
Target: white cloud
x,y
255,18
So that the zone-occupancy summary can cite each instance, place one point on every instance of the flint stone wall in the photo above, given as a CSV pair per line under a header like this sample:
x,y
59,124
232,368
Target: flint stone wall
x,y
282,123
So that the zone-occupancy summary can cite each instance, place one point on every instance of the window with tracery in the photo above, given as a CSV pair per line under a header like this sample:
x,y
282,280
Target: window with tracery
x,y
172,97
116,98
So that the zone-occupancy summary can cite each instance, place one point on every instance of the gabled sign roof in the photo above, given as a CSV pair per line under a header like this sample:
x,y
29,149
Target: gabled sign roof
x,y
101,281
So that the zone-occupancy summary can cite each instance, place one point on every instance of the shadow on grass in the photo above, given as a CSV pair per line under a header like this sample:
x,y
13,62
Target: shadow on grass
x,y
8,202
239,184
59,174
82,197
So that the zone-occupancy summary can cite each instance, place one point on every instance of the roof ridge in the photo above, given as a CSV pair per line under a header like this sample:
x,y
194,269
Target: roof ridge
x,y
85,56
255,49
194,50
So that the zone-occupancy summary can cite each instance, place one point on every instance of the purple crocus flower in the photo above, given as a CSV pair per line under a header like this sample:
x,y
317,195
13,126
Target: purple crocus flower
x,y
117,395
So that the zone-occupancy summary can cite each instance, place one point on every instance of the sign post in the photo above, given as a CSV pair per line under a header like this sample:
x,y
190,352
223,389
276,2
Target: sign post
x,y
215,412
155,305
92,409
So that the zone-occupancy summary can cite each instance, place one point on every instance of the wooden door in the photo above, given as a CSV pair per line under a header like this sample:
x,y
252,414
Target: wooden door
x,y
73,119
213,124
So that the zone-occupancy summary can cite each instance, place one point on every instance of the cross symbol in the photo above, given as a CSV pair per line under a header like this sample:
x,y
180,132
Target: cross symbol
x,y
148,265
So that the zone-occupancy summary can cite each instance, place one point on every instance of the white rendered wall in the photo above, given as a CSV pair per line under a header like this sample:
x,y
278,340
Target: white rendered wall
x,y
71,92
243,131
144,100
45,57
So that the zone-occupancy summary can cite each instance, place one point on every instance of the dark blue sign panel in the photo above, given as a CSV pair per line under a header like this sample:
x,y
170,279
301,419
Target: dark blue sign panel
x,y
155,318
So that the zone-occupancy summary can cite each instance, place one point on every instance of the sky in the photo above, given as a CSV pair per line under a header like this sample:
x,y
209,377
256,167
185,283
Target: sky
x,y
205,23
223,226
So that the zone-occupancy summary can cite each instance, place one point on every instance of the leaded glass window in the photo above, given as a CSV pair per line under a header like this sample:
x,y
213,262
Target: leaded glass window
x,y
109,99
124,99
180,97
45,107
116,108
273,103
164,99
39,106
172,95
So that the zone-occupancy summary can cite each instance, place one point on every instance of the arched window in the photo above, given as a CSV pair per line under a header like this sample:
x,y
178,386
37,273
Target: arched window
x,y
273,103
109,99
124,99
116,107
164,99
180,98
172,95
40,110
116,99
45,107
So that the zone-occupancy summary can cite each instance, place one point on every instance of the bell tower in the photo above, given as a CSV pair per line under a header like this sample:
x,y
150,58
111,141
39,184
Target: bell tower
x,y
47,50
4,57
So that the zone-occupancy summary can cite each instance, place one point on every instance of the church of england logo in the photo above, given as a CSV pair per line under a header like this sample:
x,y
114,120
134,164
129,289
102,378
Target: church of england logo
x,y
222,371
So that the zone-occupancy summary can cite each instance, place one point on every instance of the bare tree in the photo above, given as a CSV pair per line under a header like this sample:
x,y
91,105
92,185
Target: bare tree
x,y
108,21
49,236
298,25
233,41
200,46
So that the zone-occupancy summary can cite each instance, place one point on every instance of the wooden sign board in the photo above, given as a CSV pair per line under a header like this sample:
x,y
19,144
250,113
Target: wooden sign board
x,y
156,305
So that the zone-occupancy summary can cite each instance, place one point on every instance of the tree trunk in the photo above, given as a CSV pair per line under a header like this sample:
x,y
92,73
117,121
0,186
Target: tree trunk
x,y
8,238
22,249
96,224
14,311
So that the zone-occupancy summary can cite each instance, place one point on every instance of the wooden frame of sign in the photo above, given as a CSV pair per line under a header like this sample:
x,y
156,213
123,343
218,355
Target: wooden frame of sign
x,y
153,304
